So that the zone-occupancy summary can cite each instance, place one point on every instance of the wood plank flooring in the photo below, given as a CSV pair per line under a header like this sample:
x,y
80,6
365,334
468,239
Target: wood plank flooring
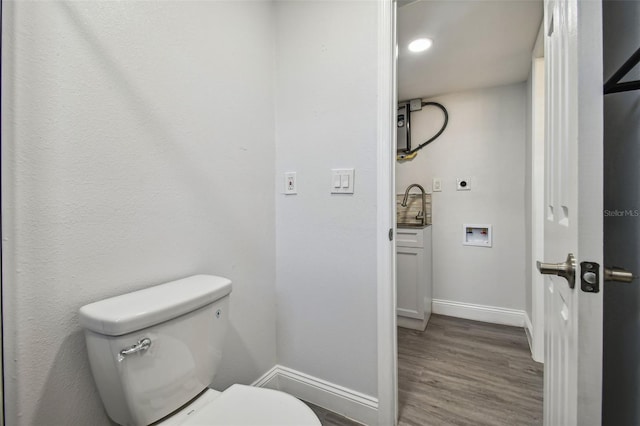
x,y
461,372
329,418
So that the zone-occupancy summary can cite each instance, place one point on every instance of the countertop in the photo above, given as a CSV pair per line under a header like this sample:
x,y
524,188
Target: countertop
x,y
412,226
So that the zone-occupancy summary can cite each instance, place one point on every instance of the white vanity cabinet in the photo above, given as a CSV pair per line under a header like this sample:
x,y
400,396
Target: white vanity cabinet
x,y
414,282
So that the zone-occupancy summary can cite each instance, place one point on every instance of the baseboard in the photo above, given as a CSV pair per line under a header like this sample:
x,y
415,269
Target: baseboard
x,y
346,402
412,323
528,329
268,379
492,314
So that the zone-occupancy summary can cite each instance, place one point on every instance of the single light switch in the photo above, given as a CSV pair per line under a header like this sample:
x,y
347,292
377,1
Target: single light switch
x,y
336,181
345,181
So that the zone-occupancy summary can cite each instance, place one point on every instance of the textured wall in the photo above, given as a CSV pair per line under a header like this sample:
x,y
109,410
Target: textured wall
x,y
484,141
326,244
138,148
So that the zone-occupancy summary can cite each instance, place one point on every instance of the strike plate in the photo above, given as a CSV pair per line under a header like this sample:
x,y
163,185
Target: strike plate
x,y
589,277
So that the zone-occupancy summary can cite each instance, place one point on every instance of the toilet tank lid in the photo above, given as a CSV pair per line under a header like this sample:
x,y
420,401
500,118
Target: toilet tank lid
x,y
143,308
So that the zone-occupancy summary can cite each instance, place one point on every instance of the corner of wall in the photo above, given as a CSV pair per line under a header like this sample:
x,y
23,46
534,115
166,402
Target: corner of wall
x,y
338,399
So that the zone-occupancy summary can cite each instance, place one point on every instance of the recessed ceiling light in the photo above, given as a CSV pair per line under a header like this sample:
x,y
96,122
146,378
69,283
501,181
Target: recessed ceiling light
x,y
420,45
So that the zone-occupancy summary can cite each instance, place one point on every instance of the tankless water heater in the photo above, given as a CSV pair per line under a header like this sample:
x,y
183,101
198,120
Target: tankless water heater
x,y
404,132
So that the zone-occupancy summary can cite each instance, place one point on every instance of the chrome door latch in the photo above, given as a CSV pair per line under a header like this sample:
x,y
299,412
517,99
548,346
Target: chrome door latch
x,y
617,274
590,277
590,273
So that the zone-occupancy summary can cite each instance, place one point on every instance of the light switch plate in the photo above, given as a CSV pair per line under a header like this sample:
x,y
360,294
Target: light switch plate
x,y
342,181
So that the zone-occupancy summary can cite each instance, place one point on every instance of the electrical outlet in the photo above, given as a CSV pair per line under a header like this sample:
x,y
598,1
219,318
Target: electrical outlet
x,y
437,185
463,184
290,186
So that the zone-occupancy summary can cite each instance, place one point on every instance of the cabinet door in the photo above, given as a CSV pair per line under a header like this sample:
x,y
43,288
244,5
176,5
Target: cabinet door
x,y
410,282
409,237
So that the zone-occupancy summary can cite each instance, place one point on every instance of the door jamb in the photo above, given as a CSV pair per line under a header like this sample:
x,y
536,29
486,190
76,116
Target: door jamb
x,y
537,196
2,283
386,277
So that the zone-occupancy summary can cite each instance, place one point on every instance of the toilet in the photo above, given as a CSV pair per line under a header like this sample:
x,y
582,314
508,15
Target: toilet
x,y
154,352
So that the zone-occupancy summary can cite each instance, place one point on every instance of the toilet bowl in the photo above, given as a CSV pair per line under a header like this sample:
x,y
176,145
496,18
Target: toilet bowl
x,y
154,352
242,405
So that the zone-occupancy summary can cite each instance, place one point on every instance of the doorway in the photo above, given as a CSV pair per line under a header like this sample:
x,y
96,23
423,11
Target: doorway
x,y
475,173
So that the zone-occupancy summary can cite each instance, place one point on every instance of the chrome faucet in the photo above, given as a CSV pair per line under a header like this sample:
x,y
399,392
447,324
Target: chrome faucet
x,y
421,215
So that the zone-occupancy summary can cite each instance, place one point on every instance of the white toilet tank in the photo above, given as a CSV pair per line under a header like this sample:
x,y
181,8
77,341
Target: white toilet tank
x,y
153,350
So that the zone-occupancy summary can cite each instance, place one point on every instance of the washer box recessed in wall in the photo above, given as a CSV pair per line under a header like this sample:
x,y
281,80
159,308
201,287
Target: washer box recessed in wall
x,y
476,235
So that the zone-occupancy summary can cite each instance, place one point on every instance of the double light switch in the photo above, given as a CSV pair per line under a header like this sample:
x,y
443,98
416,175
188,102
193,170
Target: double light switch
x,y
342,181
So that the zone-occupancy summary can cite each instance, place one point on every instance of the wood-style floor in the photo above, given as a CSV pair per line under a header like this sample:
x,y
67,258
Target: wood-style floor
x,y
329,418
461,372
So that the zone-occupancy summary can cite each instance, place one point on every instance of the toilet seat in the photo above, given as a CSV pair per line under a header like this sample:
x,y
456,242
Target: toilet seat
x,y
242,405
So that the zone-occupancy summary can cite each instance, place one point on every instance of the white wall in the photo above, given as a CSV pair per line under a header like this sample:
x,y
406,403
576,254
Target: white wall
x,y
138,147
484,141
326,244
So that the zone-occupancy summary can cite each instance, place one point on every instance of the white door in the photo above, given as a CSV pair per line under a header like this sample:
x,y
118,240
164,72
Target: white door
x,y
573,210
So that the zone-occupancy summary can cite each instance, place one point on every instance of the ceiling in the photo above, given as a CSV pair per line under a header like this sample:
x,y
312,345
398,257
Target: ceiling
x,y
476,43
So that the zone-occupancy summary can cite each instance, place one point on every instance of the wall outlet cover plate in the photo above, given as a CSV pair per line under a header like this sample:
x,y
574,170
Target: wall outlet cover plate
x,y
436,185
290,184
463,184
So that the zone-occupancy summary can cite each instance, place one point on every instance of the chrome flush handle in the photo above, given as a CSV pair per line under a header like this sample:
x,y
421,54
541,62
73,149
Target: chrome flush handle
x,y
141,346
